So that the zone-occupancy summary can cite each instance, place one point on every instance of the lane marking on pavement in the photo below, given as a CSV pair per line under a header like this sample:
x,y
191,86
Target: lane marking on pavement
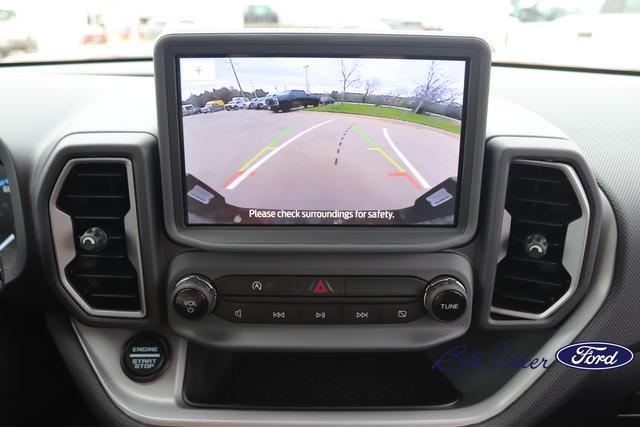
x,y
269,145
375,147
282,134
263,150
243,174
335,163
232,178
401,172
254,158
406,161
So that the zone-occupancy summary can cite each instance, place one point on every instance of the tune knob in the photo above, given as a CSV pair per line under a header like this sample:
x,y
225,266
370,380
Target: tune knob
x,y
194,296
94,239
445,299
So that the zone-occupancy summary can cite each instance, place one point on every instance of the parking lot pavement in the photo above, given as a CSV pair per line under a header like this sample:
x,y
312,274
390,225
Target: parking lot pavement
x,y
317,160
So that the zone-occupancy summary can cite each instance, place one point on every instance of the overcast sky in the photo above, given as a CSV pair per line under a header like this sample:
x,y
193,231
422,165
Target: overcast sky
x,y
276,74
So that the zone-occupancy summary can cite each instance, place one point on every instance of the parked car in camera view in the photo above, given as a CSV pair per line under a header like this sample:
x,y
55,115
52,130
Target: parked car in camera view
x,y
212,106
258,104
324,100
243,100
234,105
288,99
189,109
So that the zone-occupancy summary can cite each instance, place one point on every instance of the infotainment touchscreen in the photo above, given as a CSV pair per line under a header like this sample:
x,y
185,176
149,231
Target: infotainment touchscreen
x,y
321,141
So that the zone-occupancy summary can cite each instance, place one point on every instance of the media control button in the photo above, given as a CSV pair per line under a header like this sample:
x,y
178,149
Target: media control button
x,y
320,286
402,313
238,312
144,357
384,286
320,313
278,313
256,285
361,314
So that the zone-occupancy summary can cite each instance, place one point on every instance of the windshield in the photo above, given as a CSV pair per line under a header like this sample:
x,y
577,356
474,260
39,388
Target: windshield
x,y
576,33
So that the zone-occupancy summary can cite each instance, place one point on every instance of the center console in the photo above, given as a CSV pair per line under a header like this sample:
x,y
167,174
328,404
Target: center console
x,y
320,219
360,302
328,172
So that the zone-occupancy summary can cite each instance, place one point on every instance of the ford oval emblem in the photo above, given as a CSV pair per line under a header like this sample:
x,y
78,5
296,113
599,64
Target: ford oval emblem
x,y
594,356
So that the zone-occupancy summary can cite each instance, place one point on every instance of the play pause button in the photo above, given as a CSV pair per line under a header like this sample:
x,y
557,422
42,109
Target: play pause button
x,y
320,313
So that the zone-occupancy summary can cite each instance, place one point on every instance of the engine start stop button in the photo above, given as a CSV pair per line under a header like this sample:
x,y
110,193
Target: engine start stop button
x,y
145,356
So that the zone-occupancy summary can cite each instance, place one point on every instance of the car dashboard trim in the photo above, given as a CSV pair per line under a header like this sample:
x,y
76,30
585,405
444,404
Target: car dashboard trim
x,y
575,241
160,402
64,247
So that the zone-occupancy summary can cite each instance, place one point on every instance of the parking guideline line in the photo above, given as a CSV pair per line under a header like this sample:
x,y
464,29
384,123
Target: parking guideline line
x,y
234,183
263,150
364,136
253,159
269,146
409,178
406,161
282,134
375,147
388,157
233,177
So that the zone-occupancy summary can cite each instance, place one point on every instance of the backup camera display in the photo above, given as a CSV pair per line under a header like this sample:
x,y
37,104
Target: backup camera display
x,y
326,141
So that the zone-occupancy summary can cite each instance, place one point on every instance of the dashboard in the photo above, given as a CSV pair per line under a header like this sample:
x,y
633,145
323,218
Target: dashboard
x,y
8,244
304,257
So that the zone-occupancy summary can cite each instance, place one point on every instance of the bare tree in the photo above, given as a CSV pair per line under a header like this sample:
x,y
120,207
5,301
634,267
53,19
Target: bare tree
x,y
394,94
370,86
349,76
436,89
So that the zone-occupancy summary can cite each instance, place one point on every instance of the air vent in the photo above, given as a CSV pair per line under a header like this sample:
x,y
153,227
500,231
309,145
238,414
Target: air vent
x,y
549,217
98,193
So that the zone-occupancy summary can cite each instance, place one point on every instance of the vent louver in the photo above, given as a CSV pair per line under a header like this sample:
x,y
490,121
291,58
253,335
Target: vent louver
x,y
543,199
96,193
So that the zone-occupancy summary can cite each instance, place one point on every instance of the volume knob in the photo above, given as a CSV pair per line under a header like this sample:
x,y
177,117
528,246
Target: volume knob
x,y
194,296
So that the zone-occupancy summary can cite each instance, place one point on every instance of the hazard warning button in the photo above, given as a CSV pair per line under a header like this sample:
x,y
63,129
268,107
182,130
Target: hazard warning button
x,y
320,286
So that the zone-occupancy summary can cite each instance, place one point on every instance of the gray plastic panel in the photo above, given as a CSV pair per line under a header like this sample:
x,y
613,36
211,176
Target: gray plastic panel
x,y
574,245
160,402
419,334
501,152
64,238
139,148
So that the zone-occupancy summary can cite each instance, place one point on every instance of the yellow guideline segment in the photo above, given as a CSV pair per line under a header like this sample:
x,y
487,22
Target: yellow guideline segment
x,y
386,156
375,147
269,146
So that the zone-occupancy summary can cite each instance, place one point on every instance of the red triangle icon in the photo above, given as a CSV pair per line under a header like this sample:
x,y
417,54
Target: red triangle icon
x,y
321,287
